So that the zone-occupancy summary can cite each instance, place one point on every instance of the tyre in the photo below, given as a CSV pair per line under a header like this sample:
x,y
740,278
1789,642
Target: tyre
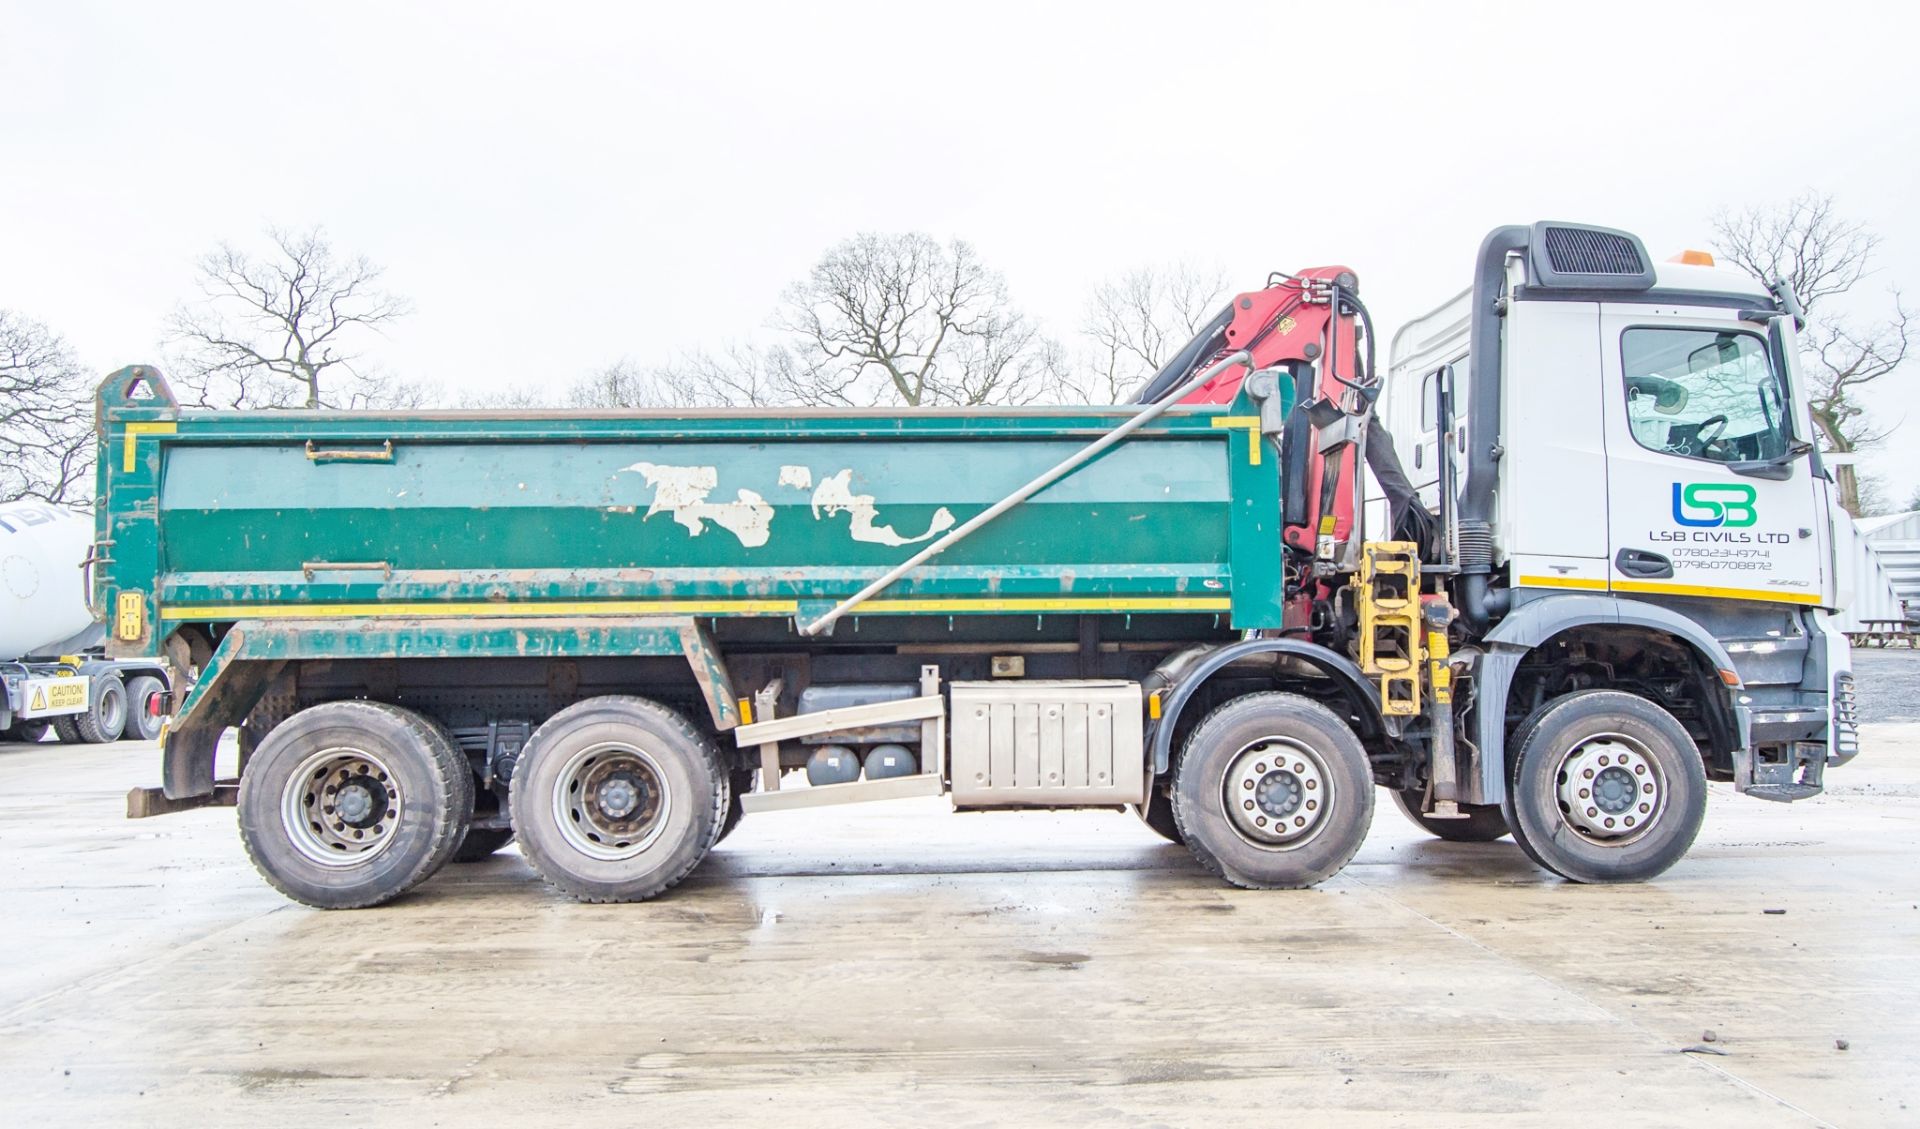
x,y
740,782
616,799
1273,792
1157,814
482,842
104,717
351,804
31,732
146,708
1605,787
1483,823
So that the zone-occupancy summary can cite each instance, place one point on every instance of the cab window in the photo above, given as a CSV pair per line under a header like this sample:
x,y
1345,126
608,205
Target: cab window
x,y
1703,394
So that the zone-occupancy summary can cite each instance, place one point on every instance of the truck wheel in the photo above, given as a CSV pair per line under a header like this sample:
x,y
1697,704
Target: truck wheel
x,y
1157,814
351,804
31,732
616,799
1273,792
740,783
481,843
1606,787
146,708
1483,823
104,717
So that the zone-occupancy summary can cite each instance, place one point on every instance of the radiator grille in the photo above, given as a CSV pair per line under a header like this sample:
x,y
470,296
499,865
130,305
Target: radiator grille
x,y
1573,250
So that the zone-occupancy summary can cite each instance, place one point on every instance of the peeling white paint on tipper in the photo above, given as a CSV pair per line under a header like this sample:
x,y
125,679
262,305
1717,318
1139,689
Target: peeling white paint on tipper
x,y
682,491
835,495
798,477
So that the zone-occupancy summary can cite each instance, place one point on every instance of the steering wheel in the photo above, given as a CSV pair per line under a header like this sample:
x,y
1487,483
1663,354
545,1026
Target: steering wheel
x,y
1709,442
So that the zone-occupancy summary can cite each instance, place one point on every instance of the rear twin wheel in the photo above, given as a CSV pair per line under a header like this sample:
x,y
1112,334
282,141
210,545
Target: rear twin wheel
x,y
616,799
350,804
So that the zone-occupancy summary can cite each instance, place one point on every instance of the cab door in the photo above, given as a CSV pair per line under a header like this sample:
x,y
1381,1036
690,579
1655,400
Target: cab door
x,y
1707,495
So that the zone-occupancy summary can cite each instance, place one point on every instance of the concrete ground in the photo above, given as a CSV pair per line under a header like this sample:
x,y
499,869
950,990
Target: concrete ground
x,y
895,965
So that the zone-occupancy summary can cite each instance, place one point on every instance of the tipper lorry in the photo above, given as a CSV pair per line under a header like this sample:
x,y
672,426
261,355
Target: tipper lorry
x,y
1593,572
52,674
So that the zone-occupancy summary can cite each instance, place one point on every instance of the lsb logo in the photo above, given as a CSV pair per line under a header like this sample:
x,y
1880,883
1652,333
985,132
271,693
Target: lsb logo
x,y
1707,505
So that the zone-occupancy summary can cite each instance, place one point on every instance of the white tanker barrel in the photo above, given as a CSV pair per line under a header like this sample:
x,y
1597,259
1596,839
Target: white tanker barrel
x,y
43,594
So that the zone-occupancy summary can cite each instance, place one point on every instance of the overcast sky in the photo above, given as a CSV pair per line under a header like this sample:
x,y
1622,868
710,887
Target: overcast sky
x,y
558,186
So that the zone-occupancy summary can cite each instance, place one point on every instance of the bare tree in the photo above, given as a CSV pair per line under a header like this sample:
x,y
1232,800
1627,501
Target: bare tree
x,y
903,319
1822,257
287,330
1136,322
46,416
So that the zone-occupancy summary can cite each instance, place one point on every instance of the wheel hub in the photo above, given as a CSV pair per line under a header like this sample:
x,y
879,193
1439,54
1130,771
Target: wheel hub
x,y
1609,790
611,801
619,796
1276,793
341,807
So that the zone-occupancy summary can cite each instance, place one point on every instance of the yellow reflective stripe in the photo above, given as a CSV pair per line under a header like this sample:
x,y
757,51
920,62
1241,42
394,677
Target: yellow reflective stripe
x,y
1662,588
1767,594
1061,604
1252,424
135,430
488,608
495,609
1584,583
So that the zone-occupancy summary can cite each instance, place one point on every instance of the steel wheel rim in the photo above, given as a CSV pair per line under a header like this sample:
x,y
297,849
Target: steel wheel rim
x,y
341,807
116,704
1610,790
1277,792
611,801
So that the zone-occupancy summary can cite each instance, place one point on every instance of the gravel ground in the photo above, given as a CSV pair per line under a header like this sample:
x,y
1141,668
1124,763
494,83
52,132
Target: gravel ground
x,y
1888,682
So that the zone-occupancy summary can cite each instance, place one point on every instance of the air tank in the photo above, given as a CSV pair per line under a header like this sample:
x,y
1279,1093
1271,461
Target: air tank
x,y
43,594
833,764
884,761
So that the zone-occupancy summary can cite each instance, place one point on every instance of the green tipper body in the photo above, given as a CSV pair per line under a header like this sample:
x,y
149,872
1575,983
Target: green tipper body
x,y
222,518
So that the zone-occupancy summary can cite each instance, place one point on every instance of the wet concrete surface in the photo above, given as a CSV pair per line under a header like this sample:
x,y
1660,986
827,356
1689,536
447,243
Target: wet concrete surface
x,y
896,965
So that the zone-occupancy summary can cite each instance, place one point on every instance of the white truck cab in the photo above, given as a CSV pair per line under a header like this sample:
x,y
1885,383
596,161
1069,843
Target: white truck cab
x,y
1638,450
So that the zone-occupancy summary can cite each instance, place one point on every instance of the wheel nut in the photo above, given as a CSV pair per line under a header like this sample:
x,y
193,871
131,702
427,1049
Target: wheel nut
x,y
1640,769
1587,772
1247,784
1647,788
1609,821
1298,768
1591,812
1259,821
1629,821
1312,784
1645,808
1583,793
1312,804
1248,804
1260,767
1299,821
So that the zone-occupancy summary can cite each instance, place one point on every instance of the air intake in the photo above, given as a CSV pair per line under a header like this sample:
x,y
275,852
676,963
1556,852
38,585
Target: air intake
x,y
1571,256
1573,250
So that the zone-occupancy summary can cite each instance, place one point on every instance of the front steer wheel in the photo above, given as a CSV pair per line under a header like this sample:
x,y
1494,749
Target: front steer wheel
x,y
1606,787
350,804
616,799
1273,792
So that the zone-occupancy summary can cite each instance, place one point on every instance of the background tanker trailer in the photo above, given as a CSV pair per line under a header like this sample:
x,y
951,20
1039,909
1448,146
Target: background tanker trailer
x,y
55,676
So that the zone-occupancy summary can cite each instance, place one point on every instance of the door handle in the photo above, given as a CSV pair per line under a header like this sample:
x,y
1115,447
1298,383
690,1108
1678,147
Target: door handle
x,y
1643,565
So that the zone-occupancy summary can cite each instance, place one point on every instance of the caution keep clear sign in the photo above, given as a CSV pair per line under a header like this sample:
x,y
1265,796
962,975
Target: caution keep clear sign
x,y
57,695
